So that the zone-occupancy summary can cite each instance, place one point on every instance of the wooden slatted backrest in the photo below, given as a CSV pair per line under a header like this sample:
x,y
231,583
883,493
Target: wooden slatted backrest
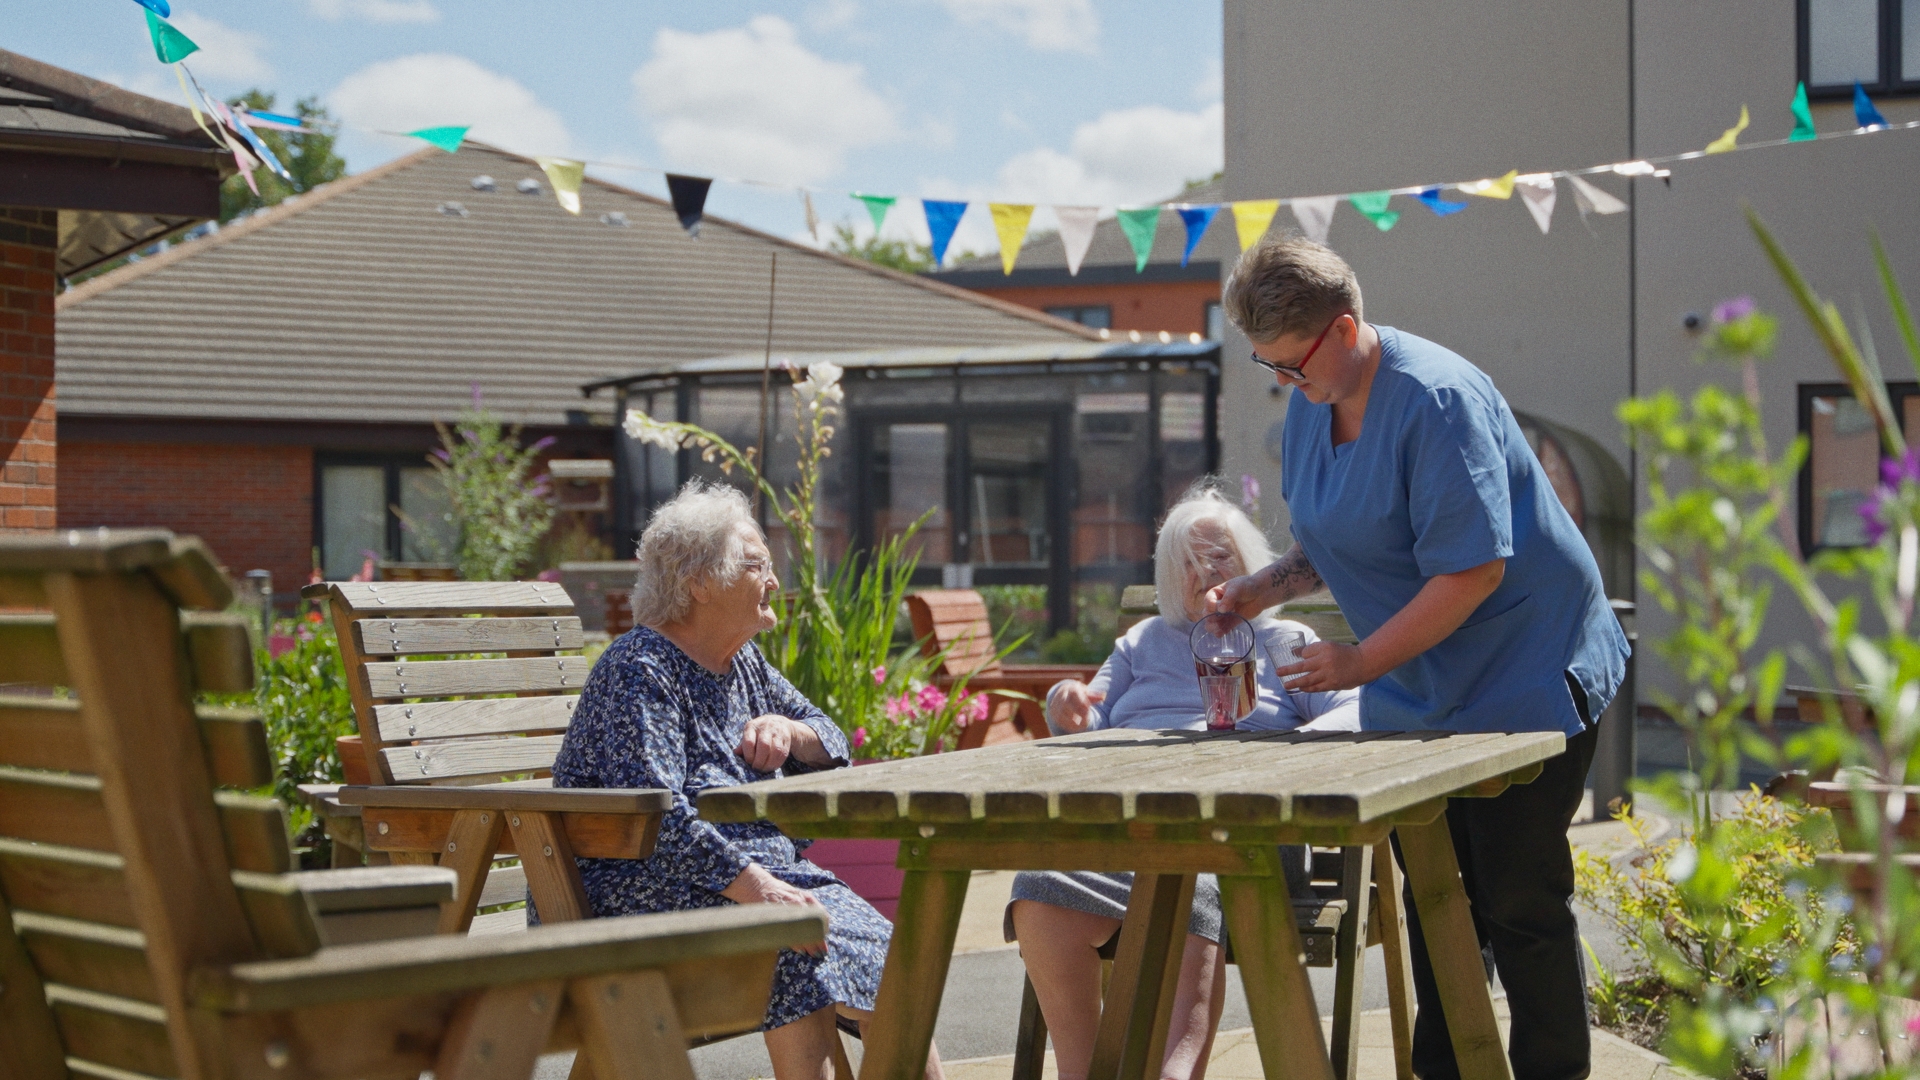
x,y
428,712
955,618
130,854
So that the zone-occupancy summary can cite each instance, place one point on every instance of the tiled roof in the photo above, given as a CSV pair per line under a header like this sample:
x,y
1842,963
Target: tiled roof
x,y
1110,258
390,295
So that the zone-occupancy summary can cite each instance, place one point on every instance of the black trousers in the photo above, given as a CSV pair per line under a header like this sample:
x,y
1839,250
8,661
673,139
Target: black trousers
x,y
1518,873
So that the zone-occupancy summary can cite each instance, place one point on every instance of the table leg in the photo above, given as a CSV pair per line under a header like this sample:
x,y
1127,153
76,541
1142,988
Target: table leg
x,y
1286,1023
915,975
1139,998
1393,945
1454,949
1350,959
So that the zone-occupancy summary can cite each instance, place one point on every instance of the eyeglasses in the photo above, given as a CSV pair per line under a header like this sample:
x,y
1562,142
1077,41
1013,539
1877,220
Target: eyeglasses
x,y
1297,372
758,568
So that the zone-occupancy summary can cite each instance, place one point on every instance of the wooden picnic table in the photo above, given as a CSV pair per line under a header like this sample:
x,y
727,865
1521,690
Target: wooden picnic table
x,y
1166,805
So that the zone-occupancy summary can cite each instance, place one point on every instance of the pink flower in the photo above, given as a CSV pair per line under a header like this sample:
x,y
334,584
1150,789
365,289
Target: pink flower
x,y
900,706
880,675
859,737
932,699
974,711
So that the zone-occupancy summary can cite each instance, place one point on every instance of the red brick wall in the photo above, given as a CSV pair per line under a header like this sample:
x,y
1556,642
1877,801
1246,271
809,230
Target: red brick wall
x,y
27,244
1179,307
252,504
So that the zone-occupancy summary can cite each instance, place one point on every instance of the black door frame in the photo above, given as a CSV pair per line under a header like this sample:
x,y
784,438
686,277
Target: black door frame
x,y
1058,574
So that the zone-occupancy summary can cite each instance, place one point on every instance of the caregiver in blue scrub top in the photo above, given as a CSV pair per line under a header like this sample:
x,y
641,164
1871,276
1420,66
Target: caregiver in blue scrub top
x,y
1417,502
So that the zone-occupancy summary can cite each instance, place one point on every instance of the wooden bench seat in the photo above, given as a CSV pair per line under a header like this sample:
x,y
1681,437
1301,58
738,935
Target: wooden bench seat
x,y
952,624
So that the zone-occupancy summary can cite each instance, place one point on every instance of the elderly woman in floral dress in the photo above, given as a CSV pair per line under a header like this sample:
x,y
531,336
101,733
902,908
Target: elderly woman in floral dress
x,y
1062,919
686,702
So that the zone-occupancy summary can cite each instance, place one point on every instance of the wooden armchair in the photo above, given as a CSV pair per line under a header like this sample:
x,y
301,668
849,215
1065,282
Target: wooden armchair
x,y
956,620
439,738
149,926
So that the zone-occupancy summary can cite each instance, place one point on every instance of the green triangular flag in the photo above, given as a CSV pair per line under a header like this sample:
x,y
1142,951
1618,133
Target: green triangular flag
x,y
446,138
1140,226
1802,117
1374,205
169,44
877,207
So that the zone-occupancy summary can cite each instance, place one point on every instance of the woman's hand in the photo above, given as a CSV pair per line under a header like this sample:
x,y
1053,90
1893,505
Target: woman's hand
x,y
756,886
770,740
1326,665
1289,576
1246,596
1069,705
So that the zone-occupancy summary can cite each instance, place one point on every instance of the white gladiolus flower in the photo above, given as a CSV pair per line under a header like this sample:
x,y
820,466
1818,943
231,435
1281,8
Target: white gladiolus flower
x,y
822,384
643,428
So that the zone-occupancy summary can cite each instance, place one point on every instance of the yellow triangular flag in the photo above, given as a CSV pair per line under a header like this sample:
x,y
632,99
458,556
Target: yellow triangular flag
x,y
1251,219
1010,221
1731,139
565,176
1499,188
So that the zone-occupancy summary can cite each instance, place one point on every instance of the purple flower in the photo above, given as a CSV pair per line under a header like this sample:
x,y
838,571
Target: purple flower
x,y
1894,474
1727,311
476,395
1249,491
1906,467
543,443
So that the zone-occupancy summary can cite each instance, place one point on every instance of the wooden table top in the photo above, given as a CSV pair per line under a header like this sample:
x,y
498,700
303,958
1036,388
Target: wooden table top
x,y
1178,779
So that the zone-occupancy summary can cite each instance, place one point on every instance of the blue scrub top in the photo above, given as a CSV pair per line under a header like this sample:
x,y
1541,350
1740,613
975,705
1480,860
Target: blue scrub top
x,y
1442,480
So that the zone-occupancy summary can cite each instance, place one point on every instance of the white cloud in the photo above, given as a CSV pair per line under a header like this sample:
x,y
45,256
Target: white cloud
x,y
1125,157
755,102
226,54
1052,25
376,11
437,89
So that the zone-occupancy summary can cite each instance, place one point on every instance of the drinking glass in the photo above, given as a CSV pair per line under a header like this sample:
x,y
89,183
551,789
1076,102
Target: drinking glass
x,y
1220,696
1284,650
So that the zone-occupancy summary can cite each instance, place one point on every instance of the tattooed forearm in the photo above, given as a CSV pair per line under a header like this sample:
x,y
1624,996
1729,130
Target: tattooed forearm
x,y
1292,575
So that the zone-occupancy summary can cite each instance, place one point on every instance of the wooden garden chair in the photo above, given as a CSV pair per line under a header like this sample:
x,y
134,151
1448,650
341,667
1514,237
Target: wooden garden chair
x,y
954,621
149,926
1356,904
440,741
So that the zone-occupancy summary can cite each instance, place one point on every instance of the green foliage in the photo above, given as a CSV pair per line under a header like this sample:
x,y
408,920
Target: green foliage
x,y
499,511
308,155
303,700
906,256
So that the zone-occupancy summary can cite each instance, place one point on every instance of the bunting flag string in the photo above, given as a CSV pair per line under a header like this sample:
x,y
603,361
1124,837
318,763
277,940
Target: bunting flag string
x,y
1196,219
1252,218
1140,225
943,217
689,200
1076,233
232,129
1010,224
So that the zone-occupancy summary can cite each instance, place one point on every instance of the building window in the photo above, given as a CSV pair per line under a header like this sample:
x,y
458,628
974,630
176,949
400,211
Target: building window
x,y
1843,460
379,508
1097,316
1873,42
1216,322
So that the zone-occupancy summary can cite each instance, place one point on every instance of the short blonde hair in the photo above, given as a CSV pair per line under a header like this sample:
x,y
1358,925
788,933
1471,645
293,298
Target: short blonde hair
x,y
1176,549
1289,285
693,537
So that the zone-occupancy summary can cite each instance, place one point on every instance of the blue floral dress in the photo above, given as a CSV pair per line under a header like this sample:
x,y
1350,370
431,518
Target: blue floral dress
x,y
651,717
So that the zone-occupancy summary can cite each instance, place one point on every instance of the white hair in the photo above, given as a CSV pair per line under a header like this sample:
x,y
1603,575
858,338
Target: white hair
x,y
692,538
1177,550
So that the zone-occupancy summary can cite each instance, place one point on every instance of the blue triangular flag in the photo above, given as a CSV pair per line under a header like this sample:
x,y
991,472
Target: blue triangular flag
x,y
689,200
1196,219
1863,109
158,7
942,219
1431,196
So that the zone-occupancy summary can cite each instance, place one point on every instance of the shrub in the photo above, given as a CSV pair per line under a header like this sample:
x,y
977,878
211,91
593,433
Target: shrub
x,y
498,510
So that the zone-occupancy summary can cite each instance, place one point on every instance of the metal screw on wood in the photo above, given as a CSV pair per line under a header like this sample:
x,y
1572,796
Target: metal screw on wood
x,y
1220,836
484,818
613,991
547,850
514,821
914,850
926,831
451,846
278,1055
538,1003
385,828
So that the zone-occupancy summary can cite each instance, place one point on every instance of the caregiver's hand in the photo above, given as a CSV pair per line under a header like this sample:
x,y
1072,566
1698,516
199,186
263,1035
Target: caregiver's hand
x,y
755,885
1246,596
1327,665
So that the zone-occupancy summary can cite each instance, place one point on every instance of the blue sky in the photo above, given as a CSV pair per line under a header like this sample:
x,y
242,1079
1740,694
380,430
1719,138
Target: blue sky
x,y
1069,101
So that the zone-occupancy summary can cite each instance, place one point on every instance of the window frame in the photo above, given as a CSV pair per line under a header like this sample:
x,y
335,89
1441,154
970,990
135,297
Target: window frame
x,y
391,465
1079,314
1884,84
1897,395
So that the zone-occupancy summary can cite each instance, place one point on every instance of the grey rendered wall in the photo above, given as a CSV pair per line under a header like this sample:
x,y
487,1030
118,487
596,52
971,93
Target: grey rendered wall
x,y
1329,97
1696,64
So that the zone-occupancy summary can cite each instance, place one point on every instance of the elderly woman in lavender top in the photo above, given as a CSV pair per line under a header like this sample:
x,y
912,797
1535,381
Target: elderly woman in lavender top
x,y
686,702
1061,919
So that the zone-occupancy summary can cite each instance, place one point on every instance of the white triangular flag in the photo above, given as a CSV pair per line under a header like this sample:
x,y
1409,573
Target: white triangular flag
x,y
1537,190
1315,215
1076,232
1592,200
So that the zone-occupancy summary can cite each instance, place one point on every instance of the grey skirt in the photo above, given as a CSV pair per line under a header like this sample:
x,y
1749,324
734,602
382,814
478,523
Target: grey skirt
x,y
1106,894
